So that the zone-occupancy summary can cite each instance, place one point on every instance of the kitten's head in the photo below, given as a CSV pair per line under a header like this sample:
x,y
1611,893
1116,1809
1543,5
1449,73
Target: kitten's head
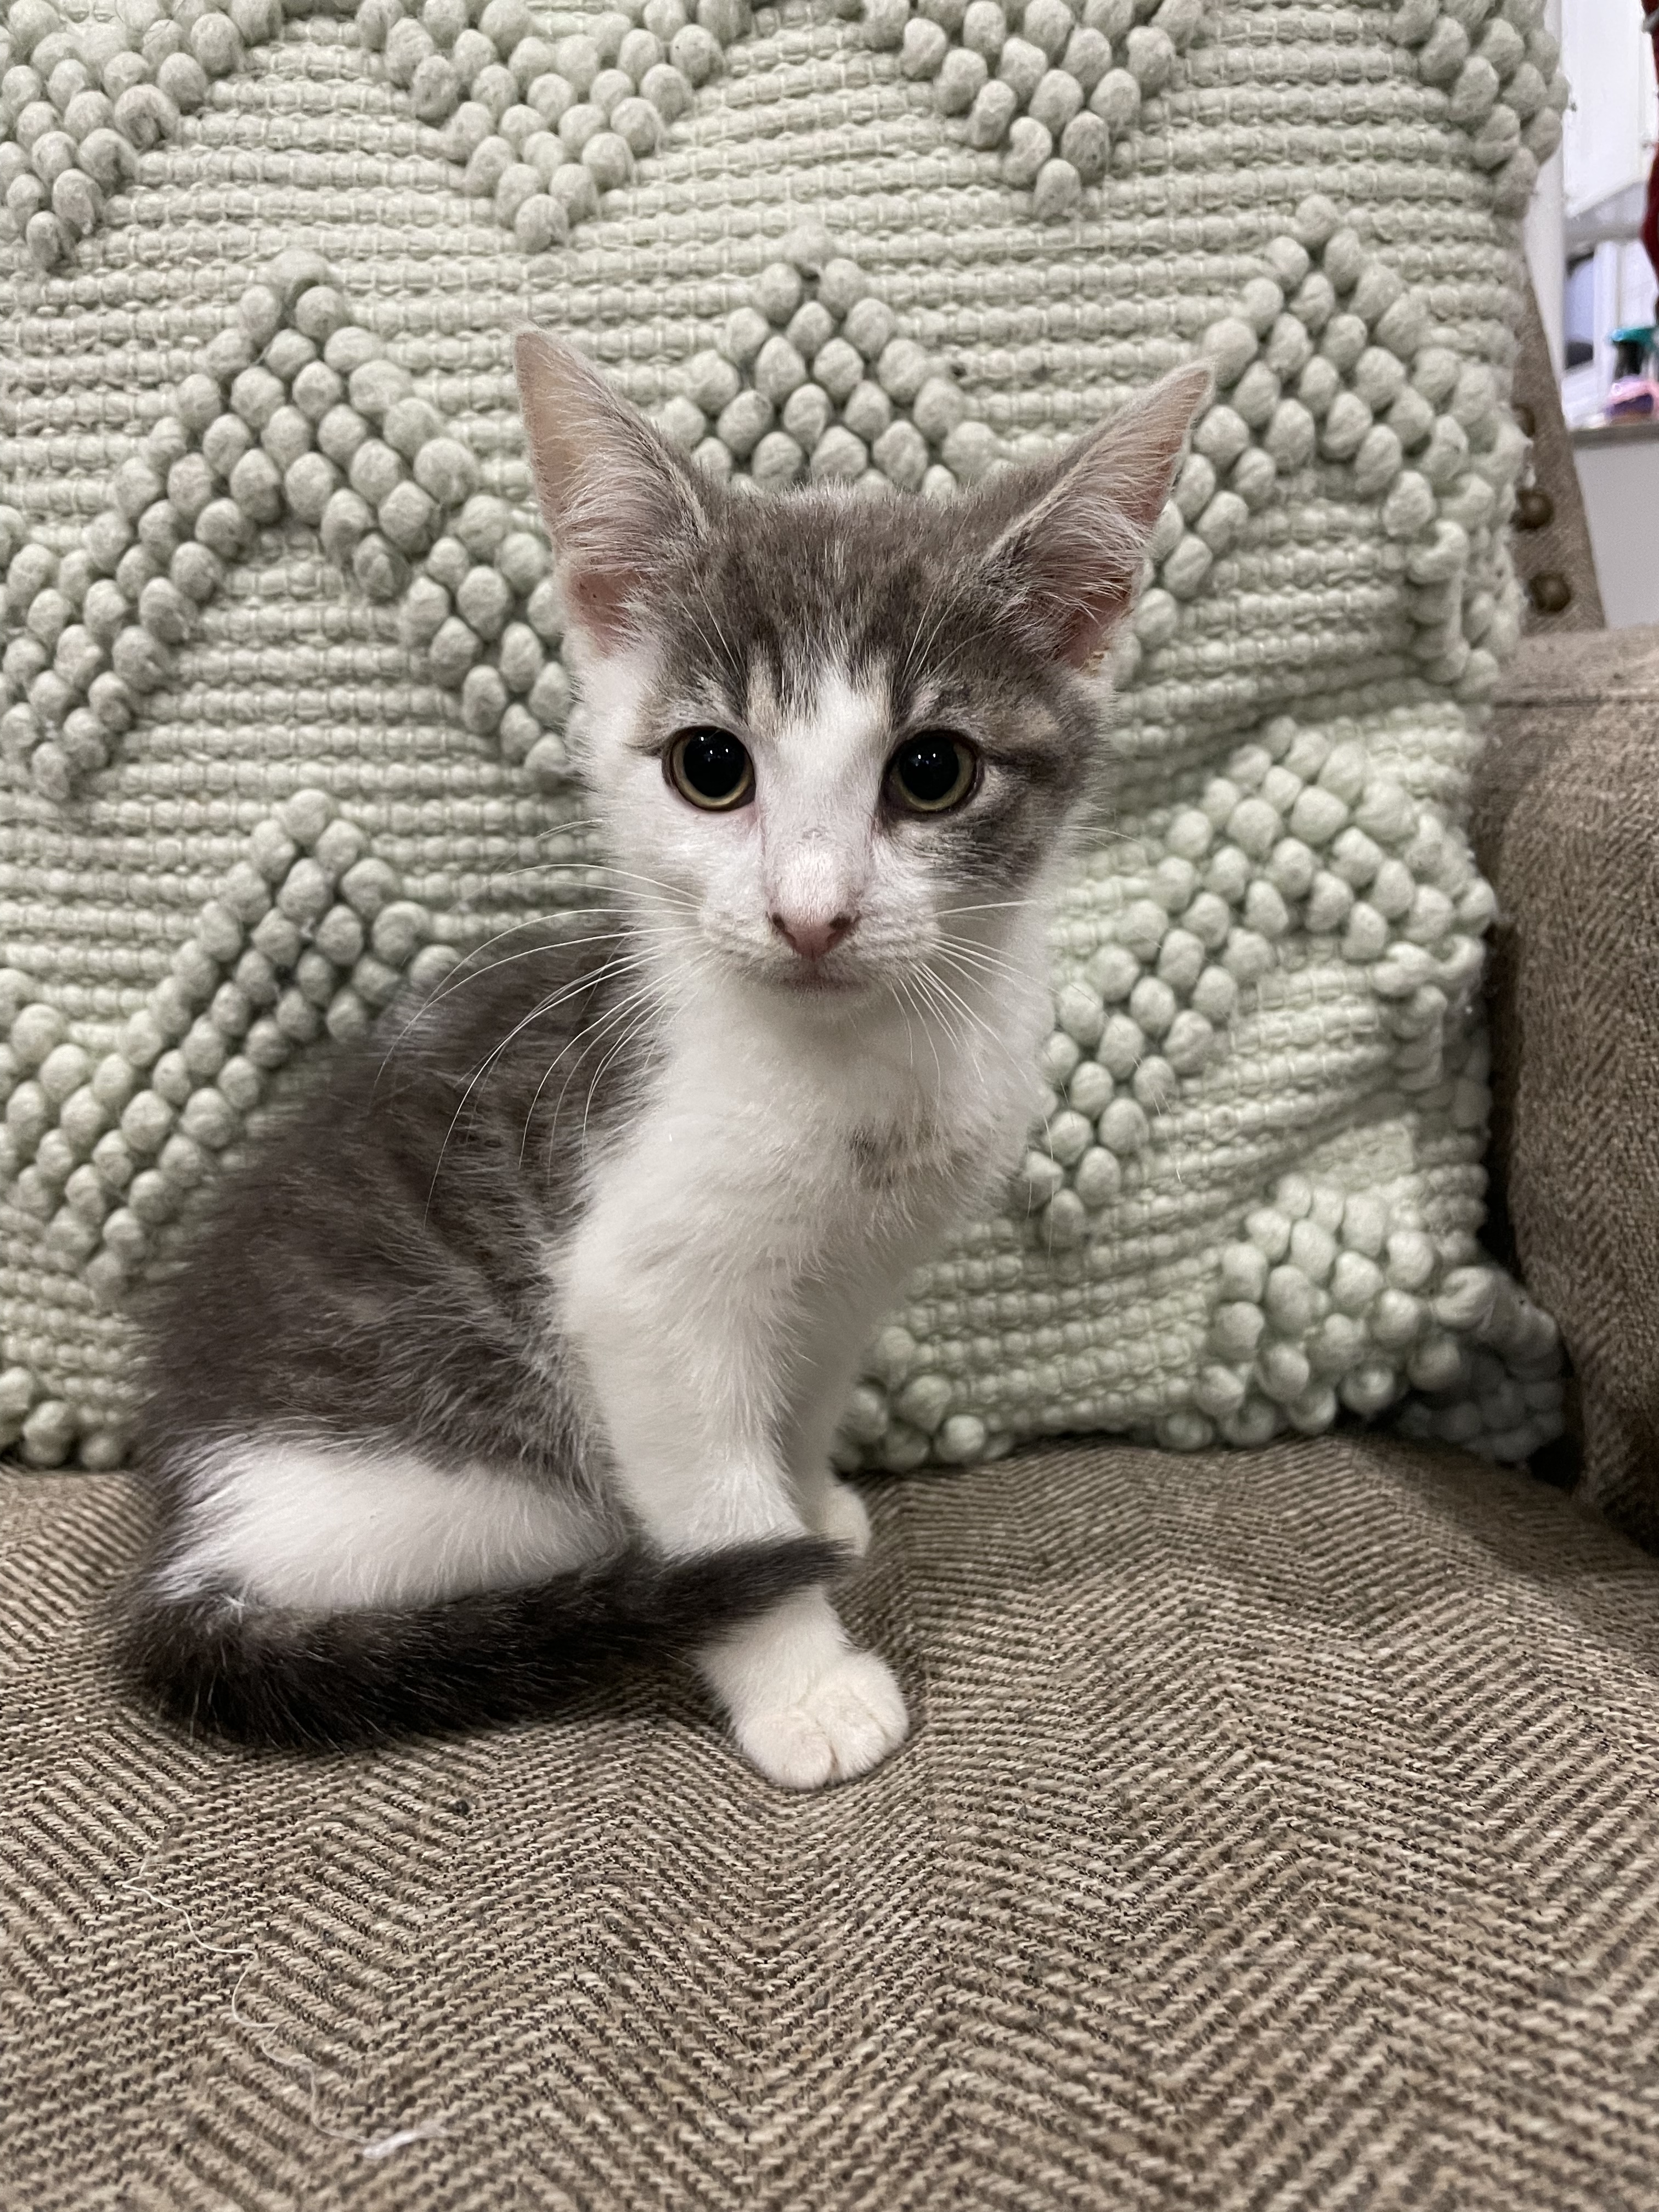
x,y
826,734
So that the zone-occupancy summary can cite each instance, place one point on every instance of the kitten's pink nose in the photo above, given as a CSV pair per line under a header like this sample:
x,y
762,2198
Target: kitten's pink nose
x,y
811,938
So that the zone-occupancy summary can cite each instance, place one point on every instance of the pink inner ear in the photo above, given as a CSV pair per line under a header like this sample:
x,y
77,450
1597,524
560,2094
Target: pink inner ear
x,y
1085,629
597,601
1078,565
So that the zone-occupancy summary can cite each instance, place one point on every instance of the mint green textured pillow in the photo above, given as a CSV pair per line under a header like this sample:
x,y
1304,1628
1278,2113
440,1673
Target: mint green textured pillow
x,y
283,714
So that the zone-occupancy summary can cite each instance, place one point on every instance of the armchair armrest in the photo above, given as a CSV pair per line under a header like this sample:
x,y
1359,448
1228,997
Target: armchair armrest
x,y
1567,828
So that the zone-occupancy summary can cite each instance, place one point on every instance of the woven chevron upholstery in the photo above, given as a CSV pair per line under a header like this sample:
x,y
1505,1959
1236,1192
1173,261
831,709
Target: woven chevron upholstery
x,y
1567,816
1291,1841
284,719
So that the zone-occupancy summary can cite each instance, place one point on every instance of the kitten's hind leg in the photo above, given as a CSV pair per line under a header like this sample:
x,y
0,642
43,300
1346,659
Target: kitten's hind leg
x,y
331,1526
308,1590
834,1509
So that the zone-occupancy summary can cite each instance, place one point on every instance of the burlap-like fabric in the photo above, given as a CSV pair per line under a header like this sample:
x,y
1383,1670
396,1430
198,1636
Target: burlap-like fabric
x,y
1567,830
1276,1832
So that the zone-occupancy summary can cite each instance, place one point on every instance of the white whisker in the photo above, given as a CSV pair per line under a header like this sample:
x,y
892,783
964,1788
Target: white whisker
x,y
914,977
542,1007
980,956
591,1036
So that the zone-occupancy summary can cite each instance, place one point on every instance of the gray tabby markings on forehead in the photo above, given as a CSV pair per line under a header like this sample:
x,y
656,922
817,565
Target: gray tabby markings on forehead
x,y
890,597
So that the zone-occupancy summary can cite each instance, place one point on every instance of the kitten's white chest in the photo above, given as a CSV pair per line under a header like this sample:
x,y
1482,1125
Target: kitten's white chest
x,y
773,1165
854,1135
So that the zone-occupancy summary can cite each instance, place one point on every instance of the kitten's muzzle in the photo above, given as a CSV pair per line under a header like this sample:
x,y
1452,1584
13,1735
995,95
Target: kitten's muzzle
x,y
811,936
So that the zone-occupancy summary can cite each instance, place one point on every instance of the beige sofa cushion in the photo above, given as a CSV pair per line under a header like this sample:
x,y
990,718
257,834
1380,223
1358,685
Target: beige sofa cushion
x,y
1279,1830
1567,830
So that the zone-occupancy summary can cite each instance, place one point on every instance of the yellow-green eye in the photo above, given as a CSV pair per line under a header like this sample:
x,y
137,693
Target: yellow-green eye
x,y
711,768
932,773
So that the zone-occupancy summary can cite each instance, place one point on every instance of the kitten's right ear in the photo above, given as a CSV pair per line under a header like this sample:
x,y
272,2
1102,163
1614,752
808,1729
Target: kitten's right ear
x,y
614,498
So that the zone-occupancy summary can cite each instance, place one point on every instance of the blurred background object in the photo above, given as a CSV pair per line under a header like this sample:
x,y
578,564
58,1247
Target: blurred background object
x,y
1593,244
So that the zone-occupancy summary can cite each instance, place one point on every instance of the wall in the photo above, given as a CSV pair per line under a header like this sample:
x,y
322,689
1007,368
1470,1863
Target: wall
x,y
1621,498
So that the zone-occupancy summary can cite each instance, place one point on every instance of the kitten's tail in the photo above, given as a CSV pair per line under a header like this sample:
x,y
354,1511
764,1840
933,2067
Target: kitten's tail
x,y
223,1665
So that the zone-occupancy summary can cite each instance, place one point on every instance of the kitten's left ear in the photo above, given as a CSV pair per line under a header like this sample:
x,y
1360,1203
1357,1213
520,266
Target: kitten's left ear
x,y
1073,532
617,502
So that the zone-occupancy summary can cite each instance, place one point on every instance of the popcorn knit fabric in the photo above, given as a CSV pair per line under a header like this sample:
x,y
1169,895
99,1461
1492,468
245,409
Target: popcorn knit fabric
x,y
283,715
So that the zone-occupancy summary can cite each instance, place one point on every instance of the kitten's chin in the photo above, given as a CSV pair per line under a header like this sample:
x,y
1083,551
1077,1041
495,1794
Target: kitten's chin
x,y
810,983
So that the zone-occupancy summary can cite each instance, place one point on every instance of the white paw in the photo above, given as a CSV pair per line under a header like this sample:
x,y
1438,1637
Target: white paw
x,y
841,1514
846,1723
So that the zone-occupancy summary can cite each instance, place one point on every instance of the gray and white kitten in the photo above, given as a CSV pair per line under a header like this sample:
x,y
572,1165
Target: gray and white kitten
x,y
524,1341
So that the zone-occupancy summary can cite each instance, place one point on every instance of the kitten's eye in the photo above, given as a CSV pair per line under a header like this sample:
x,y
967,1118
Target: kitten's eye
x,y
932,773
710,769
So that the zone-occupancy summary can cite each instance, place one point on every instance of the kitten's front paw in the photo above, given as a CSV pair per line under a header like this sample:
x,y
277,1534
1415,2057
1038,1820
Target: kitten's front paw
x,y
841,1514
846,1723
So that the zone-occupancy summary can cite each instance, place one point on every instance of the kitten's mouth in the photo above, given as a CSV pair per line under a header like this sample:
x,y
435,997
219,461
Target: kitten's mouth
x,y
834,978
810,980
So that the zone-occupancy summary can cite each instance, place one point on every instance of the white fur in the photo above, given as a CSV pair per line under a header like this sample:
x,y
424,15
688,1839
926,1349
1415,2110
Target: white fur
x,y
327,1527
734,1256
806,1706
